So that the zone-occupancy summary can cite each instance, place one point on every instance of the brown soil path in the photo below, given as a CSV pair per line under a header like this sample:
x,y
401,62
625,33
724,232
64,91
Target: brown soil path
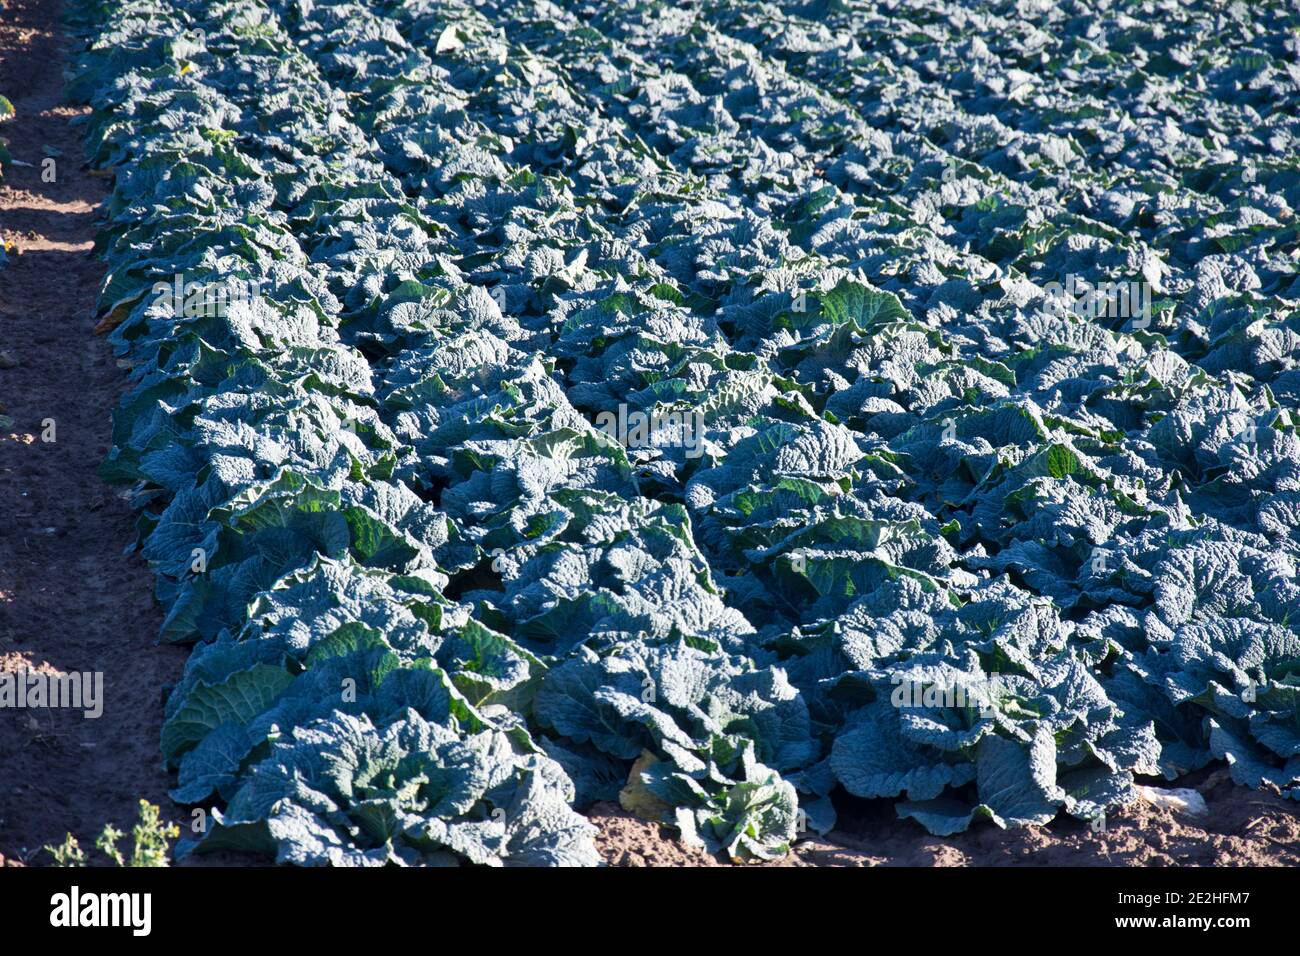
x,y
69,599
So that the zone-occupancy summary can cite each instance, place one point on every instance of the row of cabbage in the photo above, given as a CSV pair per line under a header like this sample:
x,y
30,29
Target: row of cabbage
x,y
339,705
436,607
285,500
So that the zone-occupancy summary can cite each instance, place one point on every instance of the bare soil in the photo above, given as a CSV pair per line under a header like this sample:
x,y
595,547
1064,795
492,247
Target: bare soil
x,y
70,600
1241,828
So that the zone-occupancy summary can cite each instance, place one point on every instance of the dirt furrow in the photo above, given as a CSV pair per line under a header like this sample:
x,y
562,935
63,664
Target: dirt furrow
x,y
70,600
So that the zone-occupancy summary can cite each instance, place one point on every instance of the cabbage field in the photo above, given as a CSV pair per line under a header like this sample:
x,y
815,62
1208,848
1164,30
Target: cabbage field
x,y
727,408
